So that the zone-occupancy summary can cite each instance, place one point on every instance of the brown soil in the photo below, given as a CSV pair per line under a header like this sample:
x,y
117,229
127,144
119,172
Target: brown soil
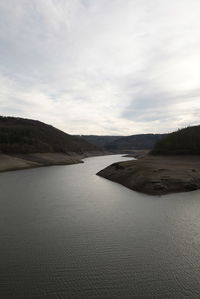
x,y
12,163
18,162
23,161
156,175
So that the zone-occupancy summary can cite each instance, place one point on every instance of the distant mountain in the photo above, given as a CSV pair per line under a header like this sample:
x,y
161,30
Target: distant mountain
x,y
182,142
99,140
116,143
18,135
142,141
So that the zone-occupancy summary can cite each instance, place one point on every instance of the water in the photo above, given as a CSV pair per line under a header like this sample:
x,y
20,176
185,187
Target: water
x,y
67,233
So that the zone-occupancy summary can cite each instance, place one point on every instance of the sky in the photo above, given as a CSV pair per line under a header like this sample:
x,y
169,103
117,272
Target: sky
x,y
103,67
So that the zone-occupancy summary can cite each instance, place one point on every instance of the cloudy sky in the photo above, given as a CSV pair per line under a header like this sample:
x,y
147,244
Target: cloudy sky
x,y
116,67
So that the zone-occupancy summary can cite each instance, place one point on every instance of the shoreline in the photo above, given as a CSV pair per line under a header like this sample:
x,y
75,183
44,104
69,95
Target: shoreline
x,y
156,175
36,160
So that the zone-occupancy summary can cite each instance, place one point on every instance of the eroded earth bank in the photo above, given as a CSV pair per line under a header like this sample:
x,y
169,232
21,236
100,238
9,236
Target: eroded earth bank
x,y
156,175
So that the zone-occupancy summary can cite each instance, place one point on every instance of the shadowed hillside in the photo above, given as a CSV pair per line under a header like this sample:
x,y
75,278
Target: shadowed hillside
x,y
182,142
99,140
142,141
18,135
117,143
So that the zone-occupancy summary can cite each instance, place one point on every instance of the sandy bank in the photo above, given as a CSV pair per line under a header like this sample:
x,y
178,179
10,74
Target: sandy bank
x,y
8,163
12,163
156,175
23,161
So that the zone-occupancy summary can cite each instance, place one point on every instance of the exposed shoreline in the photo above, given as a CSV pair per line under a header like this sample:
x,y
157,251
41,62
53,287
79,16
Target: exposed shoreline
x,y
26,161
156,175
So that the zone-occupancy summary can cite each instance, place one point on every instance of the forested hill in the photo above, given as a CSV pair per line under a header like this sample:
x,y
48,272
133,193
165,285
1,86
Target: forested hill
x,y
117,143
18,135
141,141
182,142
99,140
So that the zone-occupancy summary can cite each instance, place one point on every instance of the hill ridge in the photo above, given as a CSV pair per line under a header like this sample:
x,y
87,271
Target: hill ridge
x,y
21,135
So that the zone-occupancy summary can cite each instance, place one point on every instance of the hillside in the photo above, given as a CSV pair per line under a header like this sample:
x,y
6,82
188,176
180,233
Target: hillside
x,y
119,143
18,135
99,140
182,142
142,141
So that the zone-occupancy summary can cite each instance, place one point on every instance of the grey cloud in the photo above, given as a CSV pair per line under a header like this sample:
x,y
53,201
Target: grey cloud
x,y
87,64
162,107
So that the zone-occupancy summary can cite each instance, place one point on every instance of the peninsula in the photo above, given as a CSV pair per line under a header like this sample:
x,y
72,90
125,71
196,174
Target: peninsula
x,y
172,166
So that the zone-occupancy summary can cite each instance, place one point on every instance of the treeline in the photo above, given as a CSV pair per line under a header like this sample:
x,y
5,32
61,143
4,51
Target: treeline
x,y
182,142
121,143
140,141
100,140
18,135
19,140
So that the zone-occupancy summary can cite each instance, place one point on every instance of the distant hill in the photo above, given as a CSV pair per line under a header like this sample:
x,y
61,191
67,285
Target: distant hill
x,y
99,140
182,142
142,141
116,143
18,135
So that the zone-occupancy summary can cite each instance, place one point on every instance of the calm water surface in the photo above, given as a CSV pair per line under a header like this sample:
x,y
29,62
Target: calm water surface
x,y
67,233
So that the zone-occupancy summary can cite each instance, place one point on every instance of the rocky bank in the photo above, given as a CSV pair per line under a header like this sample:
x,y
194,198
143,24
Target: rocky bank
x,y
156,175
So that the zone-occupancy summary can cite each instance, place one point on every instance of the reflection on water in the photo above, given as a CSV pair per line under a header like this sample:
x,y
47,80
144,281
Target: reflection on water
x,y
67,233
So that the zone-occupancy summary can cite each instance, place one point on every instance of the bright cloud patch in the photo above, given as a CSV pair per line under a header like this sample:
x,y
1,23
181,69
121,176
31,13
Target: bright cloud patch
x,y
101,67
